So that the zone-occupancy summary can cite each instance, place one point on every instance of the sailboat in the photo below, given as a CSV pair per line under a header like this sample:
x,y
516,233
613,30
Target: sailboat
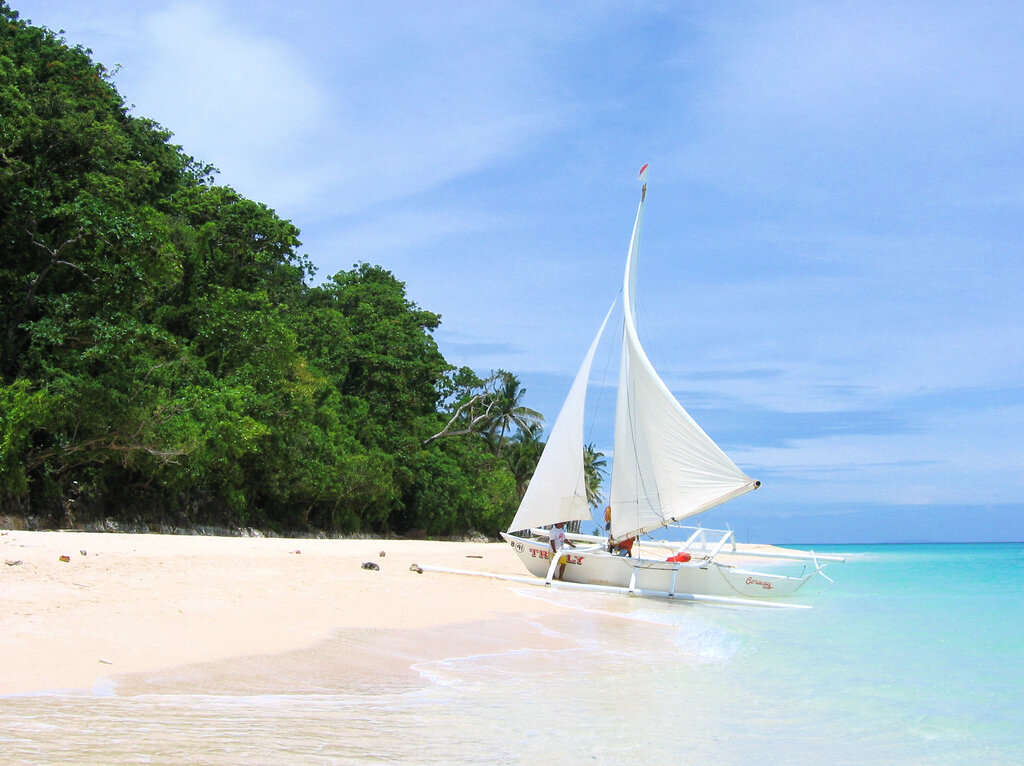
x,y
665,469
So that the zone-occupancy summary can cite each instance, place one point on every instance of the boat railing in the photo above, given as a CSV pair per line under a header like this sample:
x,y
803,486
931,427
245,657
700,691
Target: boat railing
x,y
716,547
709,543
698,541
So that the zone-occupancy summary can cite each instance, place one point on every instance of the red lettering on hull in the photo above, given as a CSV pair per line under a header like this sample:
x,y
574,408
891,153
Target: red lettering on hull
x,y
541,553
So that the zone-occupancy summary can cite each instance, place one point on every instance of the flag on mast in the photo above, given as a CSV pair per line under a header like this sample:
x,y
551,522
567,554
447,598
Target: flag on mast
x,y
643,173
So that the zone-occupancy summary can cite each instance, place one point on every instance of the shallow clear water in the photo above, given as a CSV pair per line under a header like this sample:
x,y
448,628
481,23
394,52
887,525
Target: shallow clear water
x,y
914,656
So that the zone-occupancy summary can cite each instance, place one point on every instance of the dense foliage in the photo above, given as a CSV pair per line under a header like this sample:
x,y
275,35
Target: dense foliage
x,y
164,359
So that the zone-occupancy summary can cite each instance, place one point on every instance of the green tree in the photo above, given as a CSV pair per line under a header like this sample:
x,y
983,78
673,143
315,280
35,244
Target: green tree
x,y
384,351
459,487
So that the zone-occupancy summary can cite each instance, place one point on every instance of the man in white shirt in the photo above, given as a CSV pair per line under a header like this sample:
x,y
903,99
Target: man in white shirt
x,y
557,538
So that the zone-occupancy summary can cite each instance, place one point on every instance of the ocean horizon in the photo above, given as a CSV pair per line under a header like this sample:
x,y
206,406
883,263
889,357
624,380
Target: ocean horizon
x,y
914,655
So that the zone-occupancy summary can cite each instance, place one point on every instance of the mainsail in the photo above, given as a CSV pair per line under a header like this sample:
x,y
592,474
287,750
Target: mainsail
x,y
665,468
558,489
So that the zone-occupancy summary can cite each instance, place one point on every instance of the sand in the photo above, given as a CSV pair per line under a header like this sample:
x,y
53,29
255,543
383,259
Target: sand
x,y
124,604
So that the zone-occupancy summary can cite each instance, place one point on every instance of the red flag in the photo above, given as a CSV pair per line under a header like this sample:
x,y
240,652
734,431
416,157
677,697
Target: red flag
x,y
643,172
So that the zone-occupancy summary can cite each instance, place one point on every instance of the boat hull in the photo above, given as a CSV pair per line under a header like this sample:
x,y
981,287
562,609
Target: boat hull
x,y
593,565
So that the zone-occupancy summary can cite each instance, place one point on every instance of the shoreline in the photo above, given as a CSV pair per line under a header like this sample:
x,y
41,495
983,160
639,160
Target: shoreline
x,y
127,604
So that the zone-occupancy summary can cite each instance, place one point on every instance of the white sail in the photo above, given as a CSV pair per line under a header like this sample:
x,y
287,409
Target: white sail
x,y
665,468
558,490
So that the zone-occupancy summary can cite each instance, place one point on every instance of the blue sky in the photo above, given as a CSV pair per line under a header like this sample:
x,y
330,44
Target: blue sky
x,y
832,277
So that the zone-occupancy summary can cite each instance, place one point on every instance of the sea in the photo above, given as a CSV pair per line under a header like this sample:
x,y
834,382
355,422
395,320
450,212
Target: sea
x,y
914,655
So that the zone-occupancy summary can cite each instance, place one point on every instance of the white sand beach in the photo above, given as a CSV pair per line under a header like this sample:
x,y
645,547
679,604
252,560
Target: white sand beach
x,y
137,603
211,650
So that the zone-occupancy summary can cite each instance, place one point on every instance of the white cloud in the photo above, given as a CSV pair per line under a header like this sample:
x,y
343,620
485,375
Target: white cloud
x,y
236,98
424,95
948,458
396,234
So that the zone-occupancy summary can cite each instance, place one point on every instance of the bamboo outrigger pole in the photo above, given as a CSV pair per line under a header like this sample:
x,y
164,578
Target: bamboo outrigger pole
x,y
695,597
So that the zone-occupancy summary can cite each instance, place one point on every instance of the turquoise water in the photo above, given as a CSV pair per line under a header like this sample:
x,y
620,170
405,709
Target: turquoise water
x,y
914,656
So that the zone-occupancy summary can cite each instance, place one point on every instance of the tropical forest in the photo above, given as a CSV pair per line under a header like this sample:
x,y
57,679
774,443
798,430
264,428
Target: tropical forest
x,y
170,360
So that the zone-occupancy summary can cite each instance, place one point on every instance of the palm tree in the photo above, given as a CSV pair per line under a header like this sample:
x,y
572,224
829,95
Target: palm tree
x,y
489,408
594,471
507,412
523,454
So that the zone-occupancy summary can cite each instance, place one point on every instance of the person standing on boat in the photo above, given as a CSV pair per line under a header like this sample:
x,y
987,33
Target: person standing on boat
x,y
625,548
556,539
